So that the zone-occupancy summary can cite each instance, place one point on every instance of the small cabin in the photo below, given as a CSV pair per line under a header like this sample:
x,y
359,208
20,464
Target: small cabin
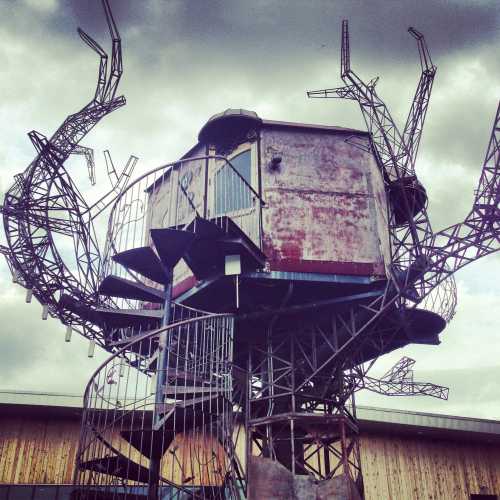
x,y
309,198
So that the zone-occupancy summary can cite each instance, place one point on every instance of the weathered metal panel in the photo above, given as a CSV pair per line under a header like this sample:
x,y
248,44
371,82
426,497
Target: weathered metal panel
x,y
325,204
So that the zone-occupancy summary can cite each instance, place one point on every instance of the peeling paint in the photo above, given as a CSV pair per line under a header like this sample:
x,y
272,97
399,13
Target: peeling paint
x,y
325,206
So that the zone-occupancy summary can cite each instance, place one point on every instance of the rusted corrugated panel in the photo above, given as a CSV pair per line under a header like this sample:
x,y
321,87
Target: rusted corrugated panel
x,y
324,204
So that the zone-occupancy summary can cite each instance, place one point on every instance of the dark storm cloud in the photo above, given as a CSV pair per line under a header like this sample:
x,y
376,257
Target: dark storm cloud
x,y
451,26
242,28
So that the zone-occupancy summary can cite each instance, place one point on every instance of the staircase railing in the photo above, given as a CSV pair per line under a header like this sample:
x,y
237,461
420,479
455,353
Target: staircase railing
x,y
173,195
194,439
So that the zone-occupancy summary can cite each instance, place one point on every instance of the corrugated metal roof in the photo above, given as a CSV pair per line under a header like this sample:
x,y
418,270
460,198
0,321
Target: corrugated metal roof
x,y
374,418
371,419
32,398
311,126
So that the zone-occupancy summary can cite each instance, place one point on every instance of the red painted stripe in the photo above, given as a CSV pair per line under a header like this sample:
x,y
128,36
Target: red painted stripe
x,y
183,286
327,267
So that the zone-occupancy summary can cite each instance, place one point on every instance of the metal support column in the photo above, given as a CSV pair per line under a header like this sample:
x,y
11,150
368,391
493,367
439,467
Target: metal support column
x,y
161,379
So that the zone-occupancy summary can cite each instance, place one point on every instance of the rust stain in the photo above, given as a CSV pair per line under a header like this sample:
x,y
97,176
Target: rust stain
x,y
321,210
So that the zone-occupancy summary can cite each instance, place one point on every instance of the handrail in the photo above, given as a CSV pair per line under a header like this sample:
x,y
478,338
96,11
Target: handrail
x,y
172,165
134,208
140,338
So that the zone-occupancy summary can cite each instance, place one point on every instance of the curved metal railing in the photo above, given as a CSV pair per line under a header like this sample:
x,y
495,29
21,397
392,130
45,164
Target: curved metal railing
x,y
190,433
442,299
172,196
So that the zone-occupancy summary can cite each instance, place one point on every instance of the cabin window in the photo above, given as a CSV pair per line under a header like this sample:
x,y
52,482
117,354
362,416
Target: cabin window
x,y
232,192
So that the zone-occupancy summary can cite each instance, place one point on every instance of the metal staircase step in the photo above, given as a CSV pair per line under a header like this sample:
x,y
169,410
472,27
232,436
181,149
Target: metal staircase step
x,y
181,391
134,318
251,257
146,347
235,235
186,378
202,255
114,286
151,443
71,304
230,228
206,257
142,260
215,239
118,466
171,244
203,259
204,228
191,413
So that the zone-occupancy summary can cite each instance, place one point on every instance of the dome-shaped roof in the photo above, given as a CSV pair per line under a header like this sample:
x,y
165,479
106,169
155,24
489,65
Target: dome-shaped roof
x,y
232,123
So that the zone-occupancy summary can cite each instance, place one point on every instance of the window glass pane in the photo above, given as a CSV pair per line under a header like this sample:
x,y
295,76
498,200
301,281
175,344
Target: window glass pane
x,y
241,163
231,192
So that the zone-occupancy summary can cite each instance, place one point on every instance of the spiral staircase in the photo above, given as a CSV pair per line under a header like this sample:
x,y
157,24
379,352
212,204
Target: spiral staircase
x,y
170,431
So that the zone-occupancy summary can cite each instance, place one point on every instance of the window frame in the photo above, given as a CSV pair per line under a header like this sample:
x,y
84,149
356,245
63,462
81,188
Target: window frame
x,y
217,165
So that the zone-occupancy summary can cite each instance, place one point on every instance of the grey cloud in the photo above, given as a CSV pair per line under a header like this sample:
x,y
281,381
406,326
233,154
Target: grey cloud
x,y
241,28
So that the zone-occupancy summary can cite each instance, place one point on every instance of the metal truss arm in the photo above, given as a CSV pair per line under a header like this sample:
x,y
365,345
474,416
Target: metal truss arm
x,y
398,381
44,203
345,92
88,153
103,64
414,126
479,234
116,55
404,388
118,184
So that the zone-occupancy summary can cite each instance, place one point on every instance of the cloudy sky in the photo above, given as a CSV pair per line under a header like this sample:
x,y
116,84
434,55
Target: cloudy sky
x,y
185,60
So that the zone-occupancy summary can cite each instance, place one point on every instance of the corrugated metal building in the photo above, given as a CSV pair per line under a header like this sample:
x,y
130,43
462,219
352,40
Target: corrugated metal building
x,y
405,455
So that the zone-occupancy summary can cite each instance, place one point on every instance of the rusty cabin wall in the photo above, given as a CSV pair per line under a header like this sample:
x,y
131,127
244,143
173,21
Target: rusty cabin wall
x,y
326,208
325,204
42,449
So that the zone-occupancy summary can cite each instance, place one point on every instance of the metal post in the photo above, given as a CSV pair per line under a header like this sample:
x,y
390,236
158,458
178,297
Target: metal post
x,y
161,378
205,187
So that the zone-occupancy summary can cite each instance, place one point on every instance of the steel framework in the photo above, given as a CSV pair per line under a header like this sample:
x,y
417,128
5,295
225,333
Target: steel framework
x,y
44,206
163,411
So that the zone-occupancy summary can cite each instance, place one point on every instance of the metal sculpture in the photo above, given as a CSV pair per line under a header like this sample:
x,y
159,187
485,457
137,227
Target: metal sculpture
x,y
164,414
398,381
432,258
44,207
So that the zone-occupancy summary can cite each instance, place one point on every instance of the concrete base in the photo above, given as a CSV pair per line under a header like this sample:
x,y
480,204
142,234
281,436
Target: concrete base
x,y
271,480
